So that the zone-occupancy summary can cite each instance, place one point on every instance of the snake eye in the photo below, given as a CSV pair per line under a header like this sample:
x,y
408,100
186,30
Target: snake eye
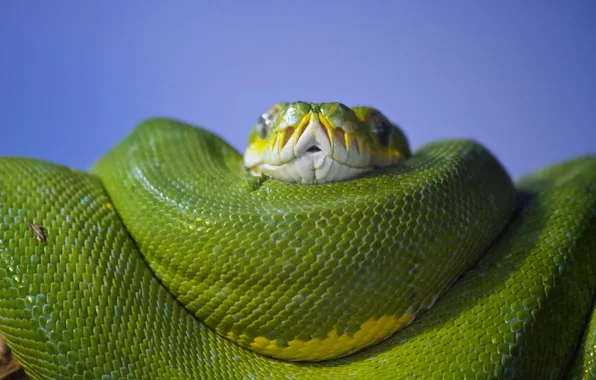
x,y
266,121
380,127
263,126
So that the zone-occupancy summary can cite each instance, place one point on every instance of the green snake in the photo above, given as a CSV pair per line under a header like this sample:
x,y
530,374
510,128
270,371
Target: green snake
x,y
328,251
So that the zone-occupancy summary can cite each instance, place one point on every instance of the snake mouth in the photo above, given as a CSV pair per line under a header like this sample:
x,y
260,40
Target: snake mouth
x,y
313,167
312,152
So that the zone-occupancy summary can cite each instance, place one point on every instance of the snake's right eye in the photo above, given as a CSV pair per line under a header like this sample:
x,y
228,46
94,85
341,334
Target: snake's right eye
x,y
266,121
263,126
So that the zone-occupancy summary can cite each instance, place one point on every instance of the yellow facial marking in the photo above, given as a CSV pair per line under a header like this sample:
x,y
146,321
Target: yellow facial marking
x,y
287,134
302,125
329,127
260,145
334,346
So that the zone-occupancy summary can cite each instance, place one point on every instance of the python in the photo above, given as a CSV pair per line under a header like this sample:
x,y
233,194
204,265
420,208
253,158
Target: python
x,y
166,261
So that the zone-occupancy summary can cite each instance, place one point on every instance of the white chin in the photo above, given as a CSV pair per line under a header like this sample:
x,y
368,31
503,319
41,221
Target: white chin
x,y
310,169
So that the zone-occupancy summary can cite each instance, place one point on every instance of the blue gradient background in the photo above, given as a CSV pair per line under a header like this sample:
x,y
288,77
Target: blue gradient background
x,y
520,76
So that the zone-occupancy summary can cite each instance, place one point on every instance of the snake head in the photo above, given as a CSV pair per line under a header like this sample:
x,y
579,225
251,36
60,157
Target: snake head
x,y
312,143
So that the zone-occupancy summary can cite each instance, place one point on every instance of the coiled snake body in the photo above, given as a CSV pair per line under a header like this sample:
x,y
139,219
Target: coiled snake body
x,y
170,260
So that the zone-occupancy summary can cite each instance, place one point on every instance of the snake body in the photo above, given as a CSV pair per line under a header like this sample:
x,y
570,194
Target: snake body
x,y
170,261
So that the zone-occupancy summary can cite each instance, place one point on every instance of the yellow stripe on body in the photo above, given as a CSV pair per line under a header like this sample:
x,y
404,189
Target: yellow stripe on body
x,y
334,346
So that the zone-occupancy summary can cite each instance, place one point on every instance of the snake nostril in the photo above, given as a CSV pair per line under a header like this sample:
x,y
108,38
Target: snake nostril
x,y
313,149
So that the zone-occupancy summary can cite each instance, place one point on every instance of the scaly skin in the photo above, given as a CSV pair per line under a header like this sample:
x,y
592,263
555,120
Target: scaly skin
x,y
243,258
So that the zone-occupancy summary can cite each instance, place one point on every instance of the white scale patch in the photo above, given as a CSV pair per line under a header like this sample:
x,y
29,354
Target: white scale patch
x,y
313,168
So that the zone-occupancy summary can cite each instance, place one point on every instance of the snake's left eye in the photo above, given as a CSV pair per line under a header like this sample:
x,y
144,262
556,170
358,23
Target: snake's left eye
x,y
266,120
380,127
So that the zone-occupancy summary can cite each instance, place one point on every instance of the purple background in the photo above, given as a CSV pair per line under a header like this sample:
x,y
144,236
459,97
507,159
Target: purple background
x,y
518,76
